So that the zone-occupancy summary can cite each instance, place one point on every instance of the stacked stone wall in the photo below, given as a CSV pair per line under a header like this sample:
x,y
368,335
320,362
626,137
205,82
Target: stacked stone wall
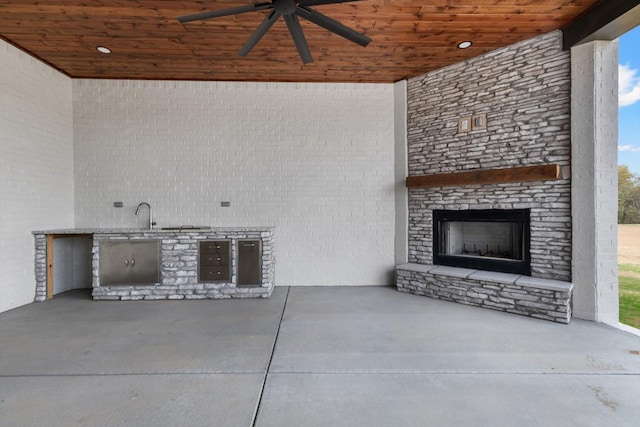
x,y
524,90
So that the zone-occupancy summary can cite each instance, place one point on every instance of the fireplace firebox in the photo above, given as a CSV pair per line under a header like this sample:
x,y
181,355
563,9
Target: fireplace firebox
x,y
483,239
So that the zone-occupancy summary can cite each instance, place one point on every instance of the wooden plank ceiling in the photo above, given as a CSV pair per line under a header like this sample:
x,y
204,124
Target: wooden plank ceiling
x,y
409,37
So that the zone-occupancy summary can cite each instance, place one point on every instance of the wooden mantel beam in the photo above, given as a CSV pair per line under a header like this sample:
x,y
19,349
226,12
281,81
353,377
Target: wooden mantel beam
x,y
484,176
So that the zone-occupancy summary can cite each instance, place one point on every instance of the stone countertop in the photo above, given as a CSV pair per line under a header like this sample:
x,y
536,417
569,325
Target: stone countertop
x,y
158,230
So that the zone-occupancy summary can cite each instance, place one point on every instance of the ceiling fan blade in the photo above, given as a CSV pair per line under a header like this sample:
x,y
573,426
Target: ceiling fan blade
x,y
259,32
224,12
332,25
298,37
320,2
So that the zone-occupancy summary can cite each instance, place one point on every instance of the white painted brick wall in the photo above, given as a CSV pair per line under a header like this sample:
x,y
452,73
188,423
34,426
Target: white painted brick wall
x,y
36,165
314,160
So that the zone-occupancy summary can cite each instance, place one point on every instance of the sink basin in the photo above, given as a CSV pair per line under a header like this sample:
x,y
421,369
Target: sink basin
x,y
186,228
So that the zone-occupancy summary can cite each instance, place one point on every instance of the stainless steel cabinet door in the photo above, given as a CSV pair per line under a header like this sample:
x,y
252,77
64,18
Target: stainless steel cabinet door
x,y
249,263
124,263
145,260
114,263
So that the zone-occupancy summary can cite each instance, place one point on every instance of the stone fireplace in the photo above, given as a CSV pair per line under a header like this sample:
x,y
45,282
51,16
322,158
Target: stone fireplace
x,y
520,262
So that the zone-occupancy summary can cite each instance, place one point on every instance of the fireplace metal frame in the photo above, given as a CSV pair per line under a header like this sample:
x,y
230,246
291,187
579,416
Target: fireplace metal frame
x,y
484,263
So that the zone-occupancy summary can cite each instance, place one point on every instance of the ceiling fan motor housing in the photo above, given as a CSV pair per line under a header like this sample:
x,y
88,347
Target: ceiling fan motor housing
x,y
285,7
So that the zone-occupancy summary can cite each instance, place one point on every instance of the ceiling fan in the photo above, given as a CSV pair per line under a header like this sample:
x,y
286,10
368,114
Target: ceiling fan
x,y
291,10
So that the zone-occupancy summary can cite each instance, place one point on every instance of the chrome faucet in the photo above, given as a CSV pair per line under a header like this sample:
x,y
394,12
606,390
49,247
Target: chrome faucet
x,y
151,223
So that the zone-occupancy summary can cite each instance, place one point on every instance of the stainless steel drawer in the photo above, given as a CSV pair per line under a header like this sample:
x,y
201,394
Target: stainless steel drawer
x,y
215,247
214,273
214,259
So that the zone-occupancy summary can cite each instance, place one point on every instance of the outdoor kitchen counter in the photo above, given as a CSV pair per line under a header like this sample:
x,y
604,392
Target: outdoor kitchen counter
x,y
160,230
178,262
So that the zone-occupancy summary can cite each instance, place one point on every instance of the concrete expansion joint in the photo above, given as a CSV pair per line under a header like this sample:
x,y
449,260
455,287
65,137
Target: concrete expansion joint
x,y
273,350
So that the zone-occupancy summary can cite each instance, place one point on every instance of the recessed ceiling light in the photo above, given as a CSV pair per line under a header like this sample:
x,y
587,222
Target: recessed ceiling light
x,y
103,49
464,45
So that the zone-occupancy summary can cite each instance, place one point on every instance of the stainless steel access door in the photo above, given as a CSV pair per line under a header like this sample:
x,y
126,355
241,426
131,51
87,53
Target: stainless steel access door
x,y
249,263
123,263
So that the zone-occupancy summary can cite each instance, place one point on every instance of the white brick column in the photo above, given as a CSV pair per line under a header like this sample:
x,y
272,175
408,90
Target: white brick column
x,y
594,139
400,168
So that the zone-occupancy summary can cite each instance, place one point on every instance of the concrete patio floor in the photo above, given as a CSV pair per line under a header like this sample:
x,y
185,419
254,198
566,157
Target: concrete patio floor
x,y
330,356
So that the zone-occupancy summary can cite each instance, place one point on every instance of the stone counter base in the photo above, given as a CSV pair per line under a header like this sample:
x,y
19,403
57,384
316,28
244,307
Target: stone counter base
x,y
179,267
187,292
527,296
178,264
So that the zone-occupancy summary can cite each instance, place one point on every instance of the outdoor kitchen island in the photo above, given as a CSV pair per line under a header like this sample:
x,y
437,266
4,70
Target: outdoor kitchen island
x,y
168,263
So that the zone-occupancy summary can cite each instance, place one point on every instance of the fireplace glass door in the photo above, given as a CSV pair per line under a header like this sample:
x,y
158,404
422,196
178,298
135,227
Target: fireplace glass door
x,y
493,240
